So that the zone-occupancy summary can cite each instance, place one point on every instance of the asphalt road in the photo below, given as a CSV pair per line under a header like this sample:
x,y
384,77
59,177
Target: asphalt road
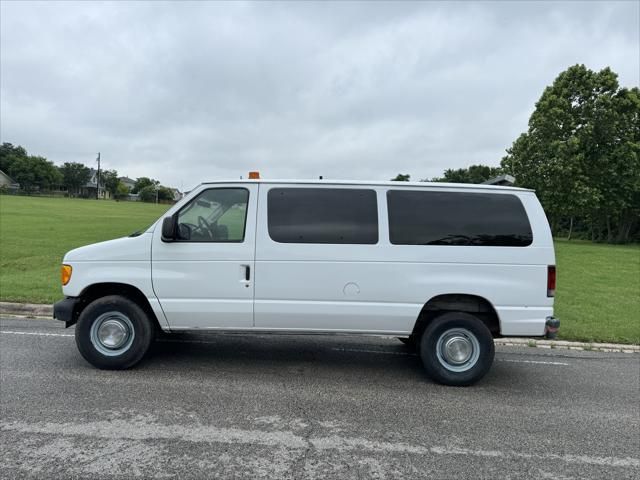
x,y
231,406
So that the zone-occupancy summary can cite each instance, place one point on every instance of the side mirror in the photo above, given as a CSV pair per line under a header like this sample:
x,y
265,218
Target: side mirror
x,y
169,229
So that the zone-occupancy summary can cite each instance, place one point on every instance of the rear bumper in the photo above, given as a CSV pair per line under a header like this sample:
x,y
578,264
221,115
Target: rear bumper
x,y
64,310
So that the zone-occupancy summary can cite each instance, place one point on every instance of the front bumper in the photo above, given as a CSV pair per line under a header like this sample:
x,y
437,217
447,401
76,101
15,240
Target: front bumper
x,y
64,310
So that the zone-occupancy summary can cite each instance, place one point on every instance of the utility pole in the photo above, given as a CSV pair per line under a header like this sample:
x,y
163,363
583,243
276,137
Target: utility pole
x,y
98,178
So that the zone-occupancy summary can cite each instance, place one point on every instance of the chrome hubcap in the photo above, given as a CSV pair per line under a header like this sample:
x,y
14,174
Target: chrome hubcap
x,y
112,333
458,349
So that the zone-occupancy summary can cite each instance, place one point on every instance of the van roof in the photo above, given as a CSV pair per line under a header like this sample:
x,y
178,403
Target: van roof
x,y
474,186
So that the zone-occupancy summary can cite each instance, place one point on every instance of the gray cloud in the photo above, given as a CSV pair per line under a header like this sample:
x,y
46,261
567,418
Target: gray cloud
x,y
187,92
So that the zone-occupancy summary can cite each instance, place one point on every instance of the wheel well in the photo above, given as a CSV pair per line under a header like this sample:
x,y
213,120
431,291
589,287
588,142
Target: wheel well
x,y
478,306
98,290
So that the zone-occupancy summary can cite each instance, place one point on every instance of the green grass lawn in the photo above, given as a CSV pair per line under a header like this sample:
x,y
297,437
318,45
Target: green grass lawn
x,y
598,297
35,233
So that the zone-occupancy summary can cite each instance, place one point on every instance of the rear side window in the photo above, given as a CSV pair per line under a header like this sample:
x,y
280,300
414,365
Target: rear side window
x,y
323,215
457,218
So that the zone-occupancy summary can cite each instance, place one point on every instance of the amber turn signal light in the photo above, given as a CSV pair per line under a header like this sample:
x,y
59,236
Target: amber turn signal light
x,y
254,175
65,274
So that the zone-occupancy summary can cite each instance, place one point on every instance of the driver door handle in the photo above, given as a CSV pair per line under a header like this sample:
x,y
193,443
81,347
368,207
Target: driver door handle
x,y
247,273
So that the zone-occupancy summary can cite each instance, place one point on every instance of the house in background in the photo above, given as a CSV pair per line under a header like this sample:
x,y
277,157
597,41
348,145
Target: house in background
x,y
6,182
129,182
90,189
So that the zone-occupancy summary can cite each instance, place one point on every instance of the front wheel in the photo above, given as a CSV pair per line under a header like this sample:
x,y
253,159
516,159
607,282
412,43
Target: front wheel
x,y
113,333
457,349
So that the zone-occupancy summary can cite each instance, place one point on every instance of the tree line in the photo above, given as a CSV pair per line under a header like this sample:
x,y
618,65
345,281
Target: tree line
x,y
35,173
580,153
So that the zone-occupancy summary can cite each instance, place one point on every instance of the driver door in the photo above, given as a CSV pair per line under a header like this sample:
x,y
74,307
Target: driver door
x,y
204,279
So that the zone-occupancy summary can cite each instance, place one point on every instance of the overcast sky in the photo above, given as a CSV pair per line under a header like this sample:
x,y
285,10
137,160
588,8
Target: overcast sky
x,y
188,92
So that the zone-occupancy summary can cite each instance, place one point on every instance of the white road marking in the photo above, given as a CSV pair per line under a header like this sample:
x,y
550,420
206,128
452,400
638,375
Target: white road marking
x,y
41,334
540,362
145,428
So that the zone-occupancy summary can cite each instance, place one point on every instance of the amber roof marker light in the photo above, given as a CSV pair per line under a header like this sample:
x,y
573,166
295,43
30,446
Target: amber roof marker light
x,y
65,273
254,175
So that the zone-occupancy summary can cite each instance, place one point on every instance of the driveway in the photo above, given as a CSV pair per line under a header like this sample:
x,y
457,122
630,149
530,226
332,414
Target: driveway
x,y
309,407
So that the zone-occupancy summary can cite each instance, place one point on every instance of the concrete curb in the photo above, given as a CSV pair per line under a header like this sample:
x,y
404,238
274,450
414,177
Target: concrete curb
x,y
26,309
563,344
36,310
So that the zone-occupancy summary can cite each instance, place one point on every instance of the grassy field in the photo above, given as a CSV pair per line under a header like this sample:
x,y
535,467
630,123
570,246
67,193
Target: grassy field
x,y
598,297
35,233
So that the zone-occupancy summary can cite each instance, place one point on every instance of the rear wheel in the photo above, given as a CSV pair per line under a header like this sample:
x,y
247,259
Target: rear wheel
x,y
457,349
113,333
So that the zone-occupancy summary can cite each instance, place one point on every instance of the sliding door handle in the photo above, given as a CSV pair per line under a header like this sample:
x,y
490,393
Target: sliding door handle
x,y
247,273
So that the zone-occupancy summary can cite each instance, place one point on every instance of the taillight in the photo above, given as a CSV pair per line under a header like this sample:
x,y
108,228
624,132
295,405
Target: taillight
x,y
551,281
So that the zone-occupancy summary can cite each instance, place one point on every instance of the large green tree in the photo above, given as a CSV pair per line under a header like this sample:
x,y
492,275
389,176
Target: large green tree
x,y
148,193
156,192
9,154
75,175
34,172
165,193
581,153
31,172
122,191
111,181
144,182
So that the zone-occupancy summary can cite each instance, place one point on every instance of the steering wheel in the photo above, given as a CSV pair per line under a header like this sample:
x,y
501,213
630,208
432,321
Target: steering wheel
x,y
205,227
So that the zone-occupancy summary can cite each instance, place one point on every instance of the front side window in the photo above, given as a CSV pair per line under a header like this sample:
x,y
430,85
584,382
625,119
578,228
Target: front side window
x,y
323,215
457,218
215,215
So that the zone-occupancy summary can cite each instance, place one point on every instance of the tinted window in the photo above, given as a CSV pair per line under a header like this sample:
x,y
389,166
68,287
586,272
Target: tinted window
x,y
451,218
216,215
323,215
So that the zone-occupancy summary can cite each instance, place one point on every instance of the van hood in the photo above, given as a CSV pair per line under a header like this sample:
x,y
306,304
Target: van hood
x,y
121,249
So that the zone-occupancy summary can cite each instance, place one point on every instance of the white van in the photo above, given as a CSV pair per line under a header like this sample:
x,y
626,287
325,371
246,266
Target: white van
x,y
446,267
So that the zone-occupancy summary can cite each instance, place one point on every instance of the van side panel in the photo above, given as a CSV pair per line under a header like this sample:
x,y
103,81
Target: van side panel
x,y
388,296
382,288
325,287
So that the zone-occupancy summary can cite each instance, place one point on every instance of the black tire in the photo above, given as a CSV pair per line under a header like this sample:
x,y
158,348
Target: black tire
x,y
460,329
125,316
